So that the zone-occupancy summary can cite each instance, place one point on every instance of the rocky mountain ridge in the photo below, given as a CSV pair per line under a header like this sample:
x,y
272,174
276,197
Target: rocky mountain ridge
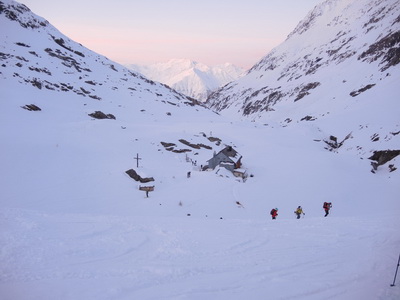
x,y
357,43
35,53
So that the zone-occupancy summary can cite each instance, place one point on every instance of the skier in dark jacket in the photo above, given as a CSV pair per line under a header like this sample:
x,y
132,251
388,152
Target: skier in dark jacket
x,y
274,213
327,206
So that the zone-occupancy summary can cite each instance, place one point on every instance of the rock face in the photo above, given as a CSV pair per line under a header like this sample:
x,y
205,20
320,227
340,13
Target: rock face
x,y
382,157
342,48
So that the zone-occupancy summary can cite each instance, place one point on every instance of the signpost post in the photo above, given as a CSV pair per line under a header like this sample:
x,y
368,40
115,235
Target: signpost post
x,y
147,189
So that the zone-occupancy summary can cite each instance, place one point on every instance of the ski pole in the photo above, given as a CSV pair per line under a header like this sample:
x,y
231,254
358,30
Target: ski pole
x,y
395,274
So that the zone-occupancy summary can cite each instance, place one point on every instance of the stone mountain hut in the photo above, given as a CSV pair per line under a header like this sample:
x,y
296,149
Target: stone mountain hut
x,y
227,158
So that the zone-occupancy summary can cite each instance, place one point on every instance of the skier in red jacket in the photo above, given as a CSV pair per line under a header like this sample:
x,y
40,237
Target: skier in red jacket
x,y
274,213
327,206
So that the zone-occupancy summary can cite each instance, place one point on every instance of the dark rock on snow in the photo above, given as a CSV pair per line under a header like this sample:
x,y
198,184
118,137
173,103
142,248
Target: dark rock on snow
x,y
382,157
31,107
100,115
135,176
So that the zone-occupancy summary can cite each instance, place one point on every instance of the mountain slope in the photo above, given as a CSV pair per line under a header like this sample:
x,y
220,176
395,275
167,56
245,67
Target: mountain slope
x,y
35,53
71,86
188,77
339,51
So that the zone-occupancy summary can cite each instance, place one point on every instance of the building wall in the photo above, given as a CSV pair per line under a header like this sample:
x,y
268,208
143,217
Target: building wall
x,y
217,159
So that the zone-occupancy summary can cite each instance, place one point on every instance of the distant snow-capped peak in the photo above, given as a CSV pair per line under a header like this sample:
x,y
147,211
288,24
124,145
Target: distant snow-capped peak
x,y
192,78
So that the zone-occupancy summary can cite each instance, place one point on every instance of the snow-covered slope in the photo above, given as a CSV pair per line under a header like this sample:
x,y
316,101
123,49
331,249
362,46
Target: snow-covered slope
x,y
74,225
341,53
35,53
191,78
338,71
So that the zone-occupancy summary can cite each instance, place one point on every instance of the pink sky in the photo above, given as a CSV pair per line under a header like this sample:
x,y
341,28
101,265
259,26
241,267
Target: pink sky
x,y
147,31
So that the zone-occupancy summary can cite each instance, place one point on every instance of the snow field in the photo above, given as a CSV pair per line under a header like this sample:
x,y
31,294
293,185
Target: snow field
x,y
110,257
76,226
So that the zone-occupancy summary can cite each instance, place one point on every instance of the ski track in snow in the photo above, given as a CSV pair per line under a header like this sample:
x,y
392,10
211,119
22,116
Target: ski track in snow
x,y
141,258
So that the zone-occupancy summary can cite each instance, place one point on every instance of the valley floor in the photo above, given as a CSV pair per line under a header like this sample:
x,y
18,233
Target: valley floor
x,y
76,256
74,225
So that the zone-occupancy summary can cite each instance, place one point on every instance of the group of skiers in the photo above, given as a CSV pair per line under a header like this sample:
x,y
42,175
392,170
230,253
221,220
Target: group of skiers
x,y
299,211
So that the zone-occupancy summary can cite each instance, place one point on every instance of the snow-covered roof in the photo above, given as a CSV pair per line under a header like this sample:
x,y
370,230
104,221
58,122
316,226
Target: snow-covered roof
x,y
231,153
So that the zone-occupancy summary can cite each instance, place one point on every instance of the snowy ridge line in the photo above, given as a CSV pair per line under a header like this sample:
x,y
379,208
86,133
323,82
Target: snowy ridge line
x,y
33,58
337,37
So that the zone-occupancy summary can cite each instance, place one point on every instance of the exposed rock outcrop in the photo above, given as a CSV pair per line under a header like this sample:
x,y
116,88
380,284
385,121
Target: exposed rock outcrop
x,y
100,115
135,176
382,157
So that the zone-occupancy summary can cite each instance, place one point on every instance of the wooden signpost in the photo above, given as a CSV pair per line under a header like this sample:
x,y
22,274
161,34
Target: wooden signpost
x,y
147,189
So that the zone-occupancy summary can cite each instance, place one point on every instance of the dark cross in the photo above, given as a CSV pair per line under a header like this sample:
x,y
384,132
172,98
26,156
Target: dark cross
x,y
137,160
